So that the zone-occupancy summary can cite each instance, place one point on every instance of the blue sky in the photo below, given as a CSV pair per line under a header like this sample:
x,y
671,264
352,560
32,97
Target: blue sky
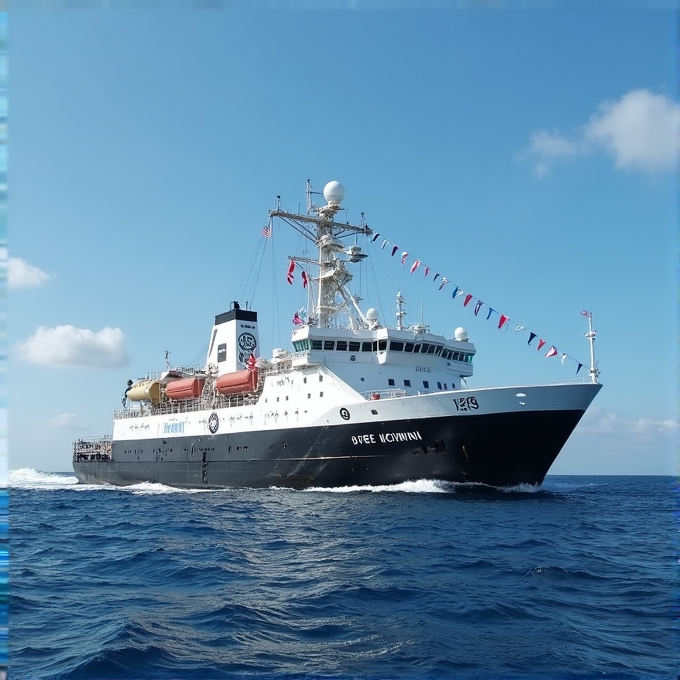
x,y
526,155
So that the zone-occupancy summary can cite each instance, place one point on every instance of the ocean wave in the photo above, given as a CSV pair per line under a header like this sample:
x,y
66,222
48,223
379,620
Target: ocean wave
x,y
418,486
28,478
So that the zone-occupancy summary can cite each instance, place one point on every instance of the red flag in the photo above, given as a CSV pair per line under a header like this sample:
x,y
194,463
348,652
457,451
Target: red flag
x,y
304,279
415,266
502,320
551,352
427,271
540,344
267,231
291,269
467,299
584,313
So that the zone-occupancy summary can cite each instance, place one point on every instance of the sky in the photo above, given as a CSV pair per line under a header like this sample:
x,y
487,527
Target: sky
x,y
527,153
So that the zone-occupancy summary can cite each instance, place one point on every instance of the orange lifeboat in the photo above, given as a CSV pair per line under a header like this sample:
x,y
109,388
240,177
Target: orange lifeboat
x,y
238,382
187,388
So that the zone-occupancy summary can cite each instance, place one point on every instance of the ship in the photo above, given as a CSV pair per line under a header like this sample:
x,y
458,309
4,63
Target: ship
x,y
355,401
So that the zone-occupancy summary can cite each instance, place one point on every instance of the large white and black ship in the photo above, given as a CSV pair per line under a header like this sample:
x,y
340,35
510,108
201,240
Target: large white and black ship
x,y
355,401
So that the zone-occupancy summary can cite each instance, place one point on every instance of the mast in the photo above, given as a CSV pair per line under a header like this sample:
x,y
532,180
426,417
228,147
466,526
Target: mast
x,y
333,296
400,312
593,371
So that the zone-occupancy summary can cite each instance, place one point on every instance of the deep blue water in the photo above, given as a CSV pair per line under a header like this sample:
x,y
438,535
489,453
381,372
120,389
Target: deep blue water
x,y
423,580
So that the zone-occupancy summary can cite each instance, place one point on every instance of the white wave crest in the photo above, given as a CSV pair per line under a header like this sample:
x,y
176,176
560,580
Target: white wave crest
x,y
418,486
27,478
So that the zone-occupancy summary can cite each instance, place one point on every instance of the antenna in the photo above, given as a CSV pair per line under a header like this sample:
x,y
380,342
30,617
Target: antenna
x,y
167,359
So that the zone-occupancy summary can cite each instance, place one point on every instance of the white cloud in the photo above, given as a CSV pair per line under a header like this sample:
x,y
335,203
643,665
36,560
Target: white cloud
x,y
606,442
24,275
599,420
68,421
641,131
79,347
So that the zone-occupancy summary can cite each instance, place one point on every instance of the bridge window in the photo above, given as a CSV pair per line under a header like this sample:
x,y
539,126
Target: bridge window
x,y
366,346
354,346
316,344
408,347
382,345
329,344
416,349
438,350
425,348
342,346
431,349
398,346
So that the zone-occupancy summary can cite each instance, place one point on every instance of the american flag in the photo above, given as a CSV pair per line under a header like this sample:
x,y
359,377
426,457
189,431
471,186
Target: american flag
x,y
267,232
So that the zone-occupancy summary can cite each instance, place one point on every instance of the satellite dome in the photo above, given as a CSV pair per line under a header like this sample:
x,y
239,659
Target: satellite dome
x,y
334,192
372,314
460,334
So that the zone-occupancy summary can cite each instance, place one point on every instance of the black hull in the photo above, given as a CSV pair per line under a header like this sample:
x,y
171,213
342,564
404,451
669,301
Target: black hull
x,y
503,449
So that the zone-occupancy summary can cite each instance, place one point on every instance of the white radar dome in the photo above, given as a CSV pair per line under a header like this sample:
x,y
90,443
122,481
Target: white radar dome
x,y
372,314
334,192
460,334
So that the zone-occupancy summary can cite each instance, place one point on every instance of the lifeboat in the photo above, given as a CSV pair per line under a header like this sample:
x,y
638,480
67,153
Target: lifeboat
x,y
145,390
238,382
187,388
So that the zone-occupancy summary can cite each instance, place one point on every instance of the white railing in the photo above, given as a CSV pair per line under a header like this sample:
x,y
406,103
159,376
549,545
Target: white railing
x,y
375,395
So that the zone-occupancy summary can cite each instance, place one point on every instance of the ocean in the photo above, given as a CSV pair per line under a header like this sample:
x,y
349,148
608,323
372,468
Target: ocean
x,y
576,579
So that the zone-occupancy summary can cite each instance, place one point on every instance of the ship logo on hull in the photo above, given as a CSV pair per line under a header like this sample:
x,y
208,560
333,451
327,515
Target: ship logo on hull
x,y
213,423
344,414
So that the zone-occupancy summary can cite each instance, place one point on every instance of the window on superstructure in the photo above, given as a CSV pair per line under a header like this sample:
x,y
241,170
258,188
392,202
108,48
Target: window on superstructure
x,y
407,383
439,385
446,354
408,347
354,346
456,356
317,344
329,344
341,346
416,349
382,345
321,394
426,384
431,349
398,346
390,382
222,352
445,387
425,348
438,350
366,346
320,378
